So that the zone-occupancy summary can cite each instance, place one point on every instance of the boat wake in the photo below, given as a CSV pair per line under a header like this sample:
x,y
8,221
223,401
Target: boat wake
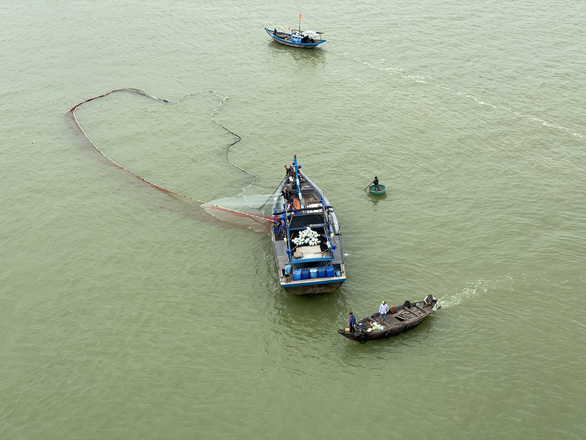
x,y
479,289
395,71
470,291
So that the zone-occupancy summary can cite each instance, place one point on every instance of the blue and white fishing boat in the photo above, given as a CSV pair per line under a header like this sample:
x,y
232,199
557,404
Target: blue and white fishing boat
x,y
306,237
297,38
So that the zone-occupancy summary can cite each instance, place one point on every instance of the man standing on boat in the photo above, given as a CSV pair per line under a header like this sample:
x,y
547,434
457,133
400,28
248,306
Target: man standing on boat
x,y
351,322
383,310
375,181
287,194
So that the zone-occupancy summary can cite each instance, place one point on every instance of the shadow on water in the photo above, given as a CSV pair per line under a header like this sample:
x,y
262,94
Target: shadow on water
x,y
376,199
308,318
305,57
308,327
419,338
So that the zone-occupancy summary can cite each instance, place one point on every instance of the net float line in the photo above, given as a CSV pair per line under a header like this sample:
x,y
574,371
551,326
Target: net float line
x,y
255,177
256,217
238,139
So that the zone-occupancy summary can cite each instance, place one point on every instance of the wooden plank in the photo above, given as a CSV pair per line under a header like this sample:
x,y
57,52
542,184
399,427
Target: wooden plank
x,y
424,311
410,311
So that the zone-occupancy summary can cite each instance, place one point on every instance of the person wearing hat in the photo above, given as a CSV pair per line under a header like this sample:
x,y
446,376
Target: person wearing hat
x,y
351,322
383,310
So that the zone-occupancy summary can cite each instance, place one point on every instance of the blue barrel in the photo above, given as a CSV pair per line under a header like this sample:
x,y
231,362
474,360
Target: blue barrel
x,y
313,272
305,274
321,272
329,271
296,274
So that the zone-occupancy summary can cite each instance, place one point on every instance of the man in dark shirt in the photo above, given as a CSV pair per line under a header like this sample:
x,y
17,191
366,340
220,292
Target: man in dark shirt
x,y
351,322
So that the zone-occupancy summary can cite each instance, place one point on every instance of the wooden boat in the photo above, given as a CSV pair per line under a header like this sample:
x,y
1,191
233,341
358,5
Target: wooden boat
x,y
381,189
297,38
398,320
306,237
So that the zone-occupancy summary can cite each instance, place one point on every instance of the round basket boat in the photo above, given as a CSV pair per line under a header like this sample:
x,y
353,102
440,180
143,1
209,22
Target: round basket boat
x,y
381,190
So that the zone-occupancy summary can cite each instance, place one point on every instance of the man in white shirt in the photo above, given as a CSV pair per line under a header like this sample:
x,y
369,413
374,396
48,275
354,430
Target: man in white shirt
x,y
383,310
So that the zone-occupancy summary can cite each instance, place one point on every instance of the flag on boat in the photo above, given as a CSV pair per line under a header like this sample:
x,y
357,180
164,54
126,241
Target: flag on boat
x,y
300,16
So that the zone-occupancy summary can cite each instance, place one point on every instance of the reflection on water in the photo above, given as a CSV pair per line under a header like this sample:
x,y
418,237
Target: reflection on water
x,y
303,57
376,199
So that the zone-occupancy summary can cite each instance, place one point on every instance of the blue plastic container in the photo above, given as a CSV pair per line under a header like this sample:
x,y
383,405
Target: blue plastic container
x,y
313,272
329,271
296,274
321,272
305,274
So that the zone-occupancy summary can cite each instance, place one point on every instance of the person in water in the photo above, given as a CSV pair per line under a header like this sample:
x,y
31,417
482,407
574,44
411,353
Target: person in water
x,y
375,181
351,322
383,310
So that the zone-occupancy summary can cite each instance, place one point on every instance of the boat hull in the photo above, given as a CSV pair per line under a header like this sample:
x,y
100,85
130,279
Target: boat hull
x,y
310,289
285,39
381,190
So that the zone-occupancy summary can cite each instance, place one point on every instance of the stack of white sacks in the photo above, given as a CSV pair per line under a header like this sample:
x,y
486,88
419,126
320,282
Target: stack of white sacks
x,y
307,237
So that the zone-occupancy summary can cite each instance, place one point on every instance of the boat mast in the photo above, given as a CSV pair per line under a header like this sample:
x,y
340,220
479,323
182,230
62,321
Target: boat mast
x,y
295,166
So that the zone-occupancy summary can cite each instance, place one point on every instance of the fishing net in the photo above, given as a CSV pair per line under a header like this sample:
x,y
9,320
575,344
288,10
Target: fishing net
x,y
249,212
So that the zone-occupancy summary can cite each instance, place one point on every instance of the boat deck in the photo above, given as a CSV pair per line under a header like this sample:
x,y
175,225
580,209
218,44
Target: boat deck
x,y
395,319
309,198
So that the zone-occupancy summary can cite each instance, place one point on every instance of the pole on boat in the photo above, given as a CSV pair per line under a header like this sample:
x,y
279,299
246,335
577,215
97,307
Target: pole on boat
x,y
295,166
300,17
367,186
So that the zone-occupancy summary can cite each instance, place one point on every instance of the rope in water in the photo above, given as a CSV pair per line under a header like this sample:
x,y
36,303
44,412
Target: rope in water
x,y
255,217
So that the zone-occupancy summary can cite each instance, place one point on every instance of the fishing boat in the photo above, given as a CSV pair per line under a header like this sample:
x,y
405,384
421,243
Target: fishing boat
x,y
399,320
377,190
306,236
297,37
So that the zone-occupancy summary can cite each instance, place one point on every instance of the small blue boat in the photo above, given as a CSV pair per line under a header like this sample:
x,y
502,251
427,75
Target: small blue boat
x,y
297,38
